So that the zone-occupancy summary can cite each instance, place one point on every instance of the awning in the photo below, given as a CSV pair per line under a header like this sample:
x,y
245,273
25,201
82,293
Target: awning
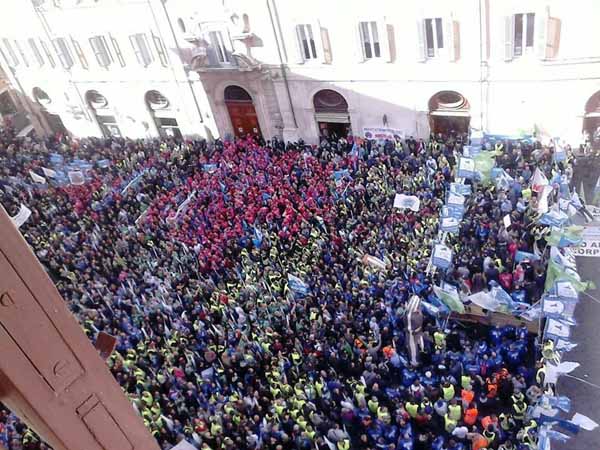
x,y
333,117
450,113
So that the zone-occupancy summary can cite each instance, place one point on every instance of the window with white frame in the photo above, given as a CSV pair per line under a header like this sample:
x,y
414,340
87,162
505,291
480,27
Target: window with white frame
x,y
524,25
79,52
63,52
139,42
48,54
22,53
36,52
101,51
13,61
218,43
306,40
117,49
369,38
160,50
434,37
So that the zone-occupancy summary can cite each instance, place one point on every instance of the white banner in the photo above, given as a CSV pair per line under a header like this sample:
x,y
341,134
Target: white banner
x,y
37,178
382,133
411,202
591,243
22,216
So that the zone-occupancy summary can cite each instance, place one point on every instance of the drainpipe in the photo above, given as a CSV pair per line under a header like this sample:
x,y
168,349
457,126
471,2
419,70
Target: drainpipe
x,y
281,63
179,51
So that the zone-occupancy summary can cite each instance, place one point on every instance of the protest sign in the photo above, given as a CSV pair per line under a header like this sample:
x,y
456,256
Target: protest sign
x,y
453,199
506,221
462,189
411,202
441,256
466,167
591,243
297,285
449,224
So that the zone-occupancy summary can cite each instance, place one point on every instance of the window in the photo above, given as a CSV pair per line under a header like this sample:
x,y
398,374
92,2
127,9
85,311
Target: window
x,y
22,53
370,40
307,41
36,52
160,49
117,50
80,54
48,54
64,55
216,40
434,37
141,48
523,34
13,61
101,51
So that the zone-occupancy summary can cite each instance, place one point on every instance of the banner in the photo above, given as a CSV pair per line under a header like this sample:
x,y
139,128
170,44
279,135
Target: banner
x,y
554,218
103,163
453,199
76,178
453,211
37,178
441,256
49,172
297,285
22,216
466,167
559,308
590,244
375,262
557,329
462,189
382,133
411,202
522,256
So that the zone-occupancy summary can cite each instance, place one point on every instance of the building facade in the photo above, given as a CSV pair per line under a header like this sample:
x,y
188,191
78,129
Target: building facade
x,y
312,68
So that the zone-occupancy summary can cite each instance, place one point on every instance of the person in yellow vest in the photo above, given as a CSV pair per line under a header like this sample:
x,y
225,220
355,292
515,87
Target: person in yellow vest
x,y
448,391
411,408
455,410
343,444
373,404
449,423
518,411
490,434
439,339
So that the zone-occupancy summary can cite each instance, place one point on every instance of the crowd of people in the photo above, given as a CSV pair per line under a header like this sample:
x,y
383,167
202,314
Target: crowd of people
x,y
233,276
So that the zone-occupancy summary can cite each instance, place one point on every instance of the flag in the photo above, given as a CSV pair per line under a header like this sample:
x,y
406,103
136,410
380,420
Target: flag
x,y
542,206
566,290
532,313
453,199
21,217
103,163
584,422
339,175
449,224
503,180
522,256
210,168
374,262
297,285
554,371
49,172
538,181
557,272
501,298
554,218
37,178
484,162
559,308
561,402
556,329
258,237
564,345
566,237
411,202
450,298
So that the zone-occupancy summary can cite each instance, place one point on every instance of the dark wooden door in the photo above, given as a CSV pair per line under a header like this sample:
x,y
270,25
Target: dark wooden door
x,y
243,118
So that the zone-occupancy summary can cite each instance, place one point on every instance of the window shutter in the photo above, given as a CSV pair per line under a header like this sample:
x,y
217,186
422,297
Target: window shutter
x,y
327,56
318,37
421,55
509,36
384,40
450,39
541,34
300,54
360,56
553,37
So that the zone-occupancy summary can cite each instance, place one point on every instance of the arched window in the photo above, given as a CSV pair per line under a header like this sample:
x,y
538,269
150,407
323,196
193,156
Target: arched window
x,y
449,113
181,24
107,122
162,114
237,94
40,96
328,100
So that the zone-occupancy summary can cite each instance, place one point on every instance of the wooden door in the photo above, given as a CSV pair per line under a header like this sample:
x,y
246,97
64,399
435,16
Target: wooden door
x,y
243,118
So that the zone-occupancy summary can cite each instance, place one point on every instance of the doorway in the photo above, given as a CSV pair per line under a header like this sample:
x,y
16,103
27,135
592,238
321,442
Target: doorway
x,y
162,115
591,121
103,114
241,112
331,114
449,113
